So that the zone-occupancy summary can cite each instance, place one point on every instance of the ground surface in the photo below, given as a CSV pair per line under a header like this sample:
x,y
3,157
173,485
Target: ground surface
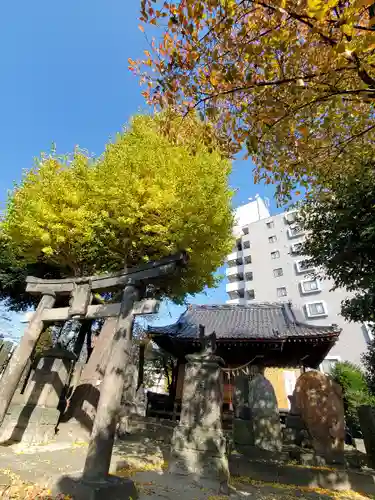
x,y
28,472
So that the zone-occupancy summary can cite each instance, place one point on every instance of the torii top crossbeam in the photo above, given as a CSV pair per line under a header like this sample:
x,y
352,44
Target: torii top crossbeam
x,y
80,289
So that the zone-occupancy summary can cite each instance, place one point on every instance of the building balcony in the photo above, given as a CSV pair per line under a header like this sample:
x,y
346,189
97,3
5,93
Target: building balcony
x,y
236,286
234,256
291,217
295,231
304,266
296,248
232,271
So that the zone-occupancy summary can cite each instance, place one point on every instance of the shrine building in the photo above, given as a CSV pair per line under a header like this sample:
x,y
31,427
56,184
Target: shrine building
x,y
266,334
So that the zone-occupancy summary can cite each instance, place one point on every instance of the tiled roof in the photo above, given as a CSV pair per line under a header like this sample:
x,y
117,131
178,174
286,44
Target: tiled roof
x,y
269,321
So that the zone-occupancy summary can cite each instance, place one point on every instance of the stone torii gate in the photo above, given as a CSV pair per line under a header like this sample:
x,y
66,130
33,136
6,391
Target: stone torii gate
x,y
133,282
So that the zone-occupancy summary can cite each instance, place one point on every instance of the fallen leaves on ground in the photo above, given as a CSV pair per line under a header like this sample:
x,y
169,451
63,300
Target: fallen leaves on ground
x,y
279,490
22,490
298,490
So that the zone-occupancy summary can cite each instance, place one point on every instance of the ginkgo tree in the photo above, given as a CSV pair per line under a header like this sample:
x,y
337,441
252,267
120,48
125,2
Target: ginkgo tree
x,y
157,189
293,81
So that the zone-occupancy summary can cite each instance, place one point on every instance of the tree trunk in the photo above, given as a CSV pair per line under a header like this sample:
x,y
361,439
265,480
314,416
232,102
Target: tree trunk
x,y
102,438
13,373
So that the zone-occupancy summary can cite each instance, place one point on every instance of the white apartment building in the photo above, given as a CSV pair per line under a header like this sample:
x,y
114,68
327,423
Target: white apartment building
x,y
264,267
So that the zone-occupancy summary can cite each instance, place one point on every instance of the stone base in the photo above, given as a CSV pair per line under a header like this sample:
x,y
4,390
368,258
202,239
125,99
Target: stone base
x,y
201,454
256,453
29,424
242,432
113,488
263,432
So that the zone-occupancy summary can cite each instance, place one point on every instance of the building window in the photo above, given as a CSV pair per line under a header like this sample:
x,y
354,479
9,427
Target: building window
x,y
294,231
304,266
270,224
278,272
239,245
245,230
250,294
247,259
329,363
296,248
310,286
316,309
275,255
246,244
249,276
281,292
272,239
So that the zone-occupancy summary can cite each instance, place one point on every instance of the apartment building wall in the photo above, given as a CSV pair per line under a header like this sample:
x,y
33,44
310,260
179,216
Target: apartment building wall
x,y
264,269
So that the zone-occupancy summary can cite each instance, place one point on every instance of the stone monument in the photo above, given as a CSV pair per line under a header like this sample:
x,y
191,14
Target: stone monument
x,y
318,400
257,423
265,418
198,444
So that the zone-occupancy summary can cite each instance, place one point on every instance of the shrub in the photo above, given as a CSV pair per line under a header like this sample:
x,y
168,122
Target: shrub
x,y
355,392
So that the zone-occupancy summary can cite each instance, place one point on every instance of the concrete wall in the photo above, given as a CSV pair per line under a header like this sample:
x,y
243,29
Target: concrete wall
x,y
353,339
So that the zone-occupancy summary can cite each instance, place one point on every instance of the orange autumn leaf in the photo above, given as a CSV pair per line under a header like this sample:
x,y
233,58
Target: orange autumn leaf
x,y
281,72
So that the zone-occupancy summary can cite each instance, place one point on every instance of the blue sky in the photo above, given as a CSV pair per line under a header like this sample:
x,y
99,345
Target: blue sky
x,y
65,79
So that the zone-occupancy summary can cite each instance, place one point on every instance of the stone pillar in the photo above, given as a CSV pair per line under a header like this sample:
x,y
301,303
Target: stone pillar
x,y
242,427
366,416
13,373
84,401
128,402
5,350
35,420
198,444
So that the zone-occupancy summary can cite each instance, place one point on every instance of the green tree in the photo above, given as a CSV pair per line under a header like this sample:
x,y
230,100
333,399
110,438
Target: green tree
x,y
292,81
341,226
355,392
13,273
368,360
158,188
